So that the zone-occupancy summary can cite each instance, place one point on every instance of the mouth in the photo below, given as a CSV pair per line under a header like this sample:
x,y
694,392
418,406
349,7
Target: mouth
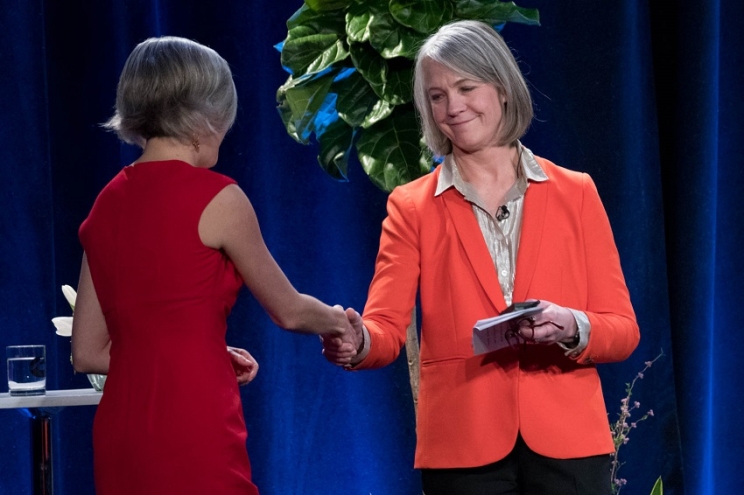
x,y
459,122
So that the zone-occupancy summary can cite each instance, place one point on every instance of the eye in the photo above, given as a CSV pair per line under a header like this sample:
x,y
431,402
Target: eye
x,y
435,97
467,89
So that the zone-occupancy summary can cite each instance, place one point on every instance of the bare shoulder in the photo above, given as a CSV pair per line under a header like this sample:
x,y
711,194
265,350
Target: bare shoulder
x,y
230,196
230,209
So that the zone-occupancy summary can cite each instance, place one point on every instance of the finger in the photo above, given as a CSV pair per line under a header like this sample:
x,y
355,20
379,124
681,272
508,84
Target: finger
x,y
338,355
252,374
335,354
239,354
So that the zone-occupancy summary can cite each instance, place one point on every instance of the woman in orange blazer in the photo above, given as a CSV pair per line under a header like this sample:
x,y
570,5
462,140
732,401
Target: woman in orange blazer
x,y
491,225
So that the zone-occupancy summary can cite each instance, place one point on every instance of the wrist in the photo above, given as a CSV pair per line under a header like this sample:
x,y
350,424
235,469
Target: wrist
x,y
573,341
360,348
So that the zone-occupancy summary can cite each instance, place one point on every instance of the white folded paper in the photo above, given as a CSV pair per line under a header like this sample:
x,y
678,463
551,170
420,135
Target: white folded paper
x,y
490,334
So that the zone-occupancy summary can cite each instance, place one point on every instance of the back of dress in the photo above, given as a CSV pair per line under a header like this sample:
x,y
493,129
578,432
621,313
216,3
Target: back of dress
x,y
170,420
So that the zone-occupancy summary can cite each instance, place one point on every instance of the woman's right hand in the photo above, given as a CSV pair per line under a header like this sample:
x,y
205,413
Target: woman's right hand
x,y
341,349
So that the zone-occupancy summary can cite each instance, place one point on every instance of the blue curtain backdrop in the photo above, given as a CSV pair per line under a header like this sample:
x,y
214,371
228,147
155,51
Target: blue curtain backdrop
x,y
643,96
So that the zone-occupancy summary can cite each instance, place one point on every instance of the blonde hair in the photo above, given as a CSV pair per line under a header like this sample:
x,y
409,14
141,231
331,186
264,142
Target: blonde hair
x,y
173,87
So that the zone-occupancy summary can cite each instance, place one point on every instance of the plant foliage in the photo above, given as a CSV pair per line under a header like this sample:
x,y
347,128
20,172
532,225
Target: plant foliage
x,y
350,84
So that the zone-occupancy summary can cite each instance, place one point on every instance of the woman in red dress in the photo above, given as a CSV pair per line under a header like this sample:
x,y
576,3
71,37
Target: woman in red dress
x,y
167,246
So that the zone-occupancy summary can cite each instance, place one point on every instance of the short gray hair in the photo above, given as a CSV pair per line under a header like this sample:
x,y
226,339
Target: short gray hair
x,y
473,49
173,87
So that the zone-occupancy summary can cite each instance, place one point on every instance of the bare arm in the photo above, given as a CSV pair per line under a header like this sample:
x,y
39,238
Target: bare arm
x,y
229,223
90,337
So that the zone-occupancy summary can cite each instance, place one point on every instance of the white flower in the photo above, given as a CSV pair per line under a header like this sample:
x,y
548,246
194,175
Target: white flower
x,y
63,325
70,295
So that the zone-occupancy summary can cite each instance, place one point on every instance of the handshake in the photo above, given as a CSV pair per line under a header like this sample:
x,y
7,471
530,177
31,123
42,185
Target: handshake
x,y
343,344
347,348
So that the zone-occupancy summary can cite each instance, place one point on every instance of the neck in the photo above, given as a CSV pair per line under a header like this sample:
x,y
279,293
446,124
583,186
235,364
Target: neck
x,y
492,165
197,154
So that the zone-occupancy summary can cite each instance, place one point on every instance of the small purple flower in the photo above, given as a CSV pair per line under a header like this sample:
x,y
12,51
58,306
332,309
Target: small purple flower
x,y
636,404
633,425
650,412
626,440
640,375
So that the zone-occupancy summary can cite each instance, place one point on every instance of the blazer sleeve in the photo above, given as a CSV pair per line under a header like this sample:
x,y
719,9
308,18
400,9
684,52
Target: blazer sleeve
x,y
392,293
614,331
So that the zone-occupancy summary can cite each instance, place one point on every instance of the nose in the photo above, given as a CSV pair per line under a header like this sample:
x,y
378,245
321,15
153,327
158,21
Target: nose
x,y
455,104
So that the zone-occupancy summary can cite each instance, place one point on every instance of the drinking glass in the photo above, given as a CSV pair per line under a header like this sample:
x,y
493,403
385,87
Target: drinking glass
x,y
26,369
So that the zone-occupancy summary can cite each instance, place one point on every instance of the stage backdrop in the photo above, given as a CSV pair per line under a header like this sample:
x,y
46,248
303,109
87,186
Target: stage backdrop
x,y
644,97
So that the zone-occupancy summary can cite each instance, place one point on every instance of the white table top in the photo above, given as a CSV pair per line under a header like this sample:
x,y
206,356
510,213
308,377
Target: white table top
x,y
53,398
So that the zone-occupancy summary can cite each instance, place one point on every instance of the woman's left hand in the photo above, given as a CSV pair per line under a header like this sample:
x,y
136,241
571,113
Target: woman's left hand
x,y
554,324
244,365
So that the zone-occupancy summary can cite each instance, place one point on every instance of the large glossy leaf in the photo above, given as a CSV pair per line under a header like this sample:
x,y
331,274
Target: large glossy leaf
x,y
357,27
391,39
326,5
370,65
356,98
285,112
335,144
320,22
398,87
424,17
389,151
304,54
359,17
303,101
381,110
495,12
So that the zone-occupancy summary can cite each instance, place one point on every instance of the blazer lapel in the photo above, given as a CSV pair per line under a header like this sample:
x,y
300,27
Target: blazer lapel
x,y
533,226
475,247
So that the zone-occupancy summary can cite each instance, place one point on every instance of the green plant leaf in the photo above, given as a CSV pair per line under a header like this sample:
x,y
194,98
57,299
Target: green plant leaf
x,y
285,112
658,488
381,110
356,98
424,17
370,65
335,143
305,53
391,39
304,97
320,22
357,27
398,88
359,18
495,12
389,151
326,5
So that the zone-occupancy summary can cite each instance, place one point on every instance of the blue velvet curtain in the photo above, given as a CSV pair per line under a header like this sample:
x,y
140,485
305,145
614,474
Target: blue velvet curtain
x,y
643,96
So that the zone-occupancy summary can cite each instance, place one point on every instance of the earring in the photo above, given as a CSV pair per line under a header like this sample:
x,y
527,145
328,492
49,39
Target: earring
x,y
195,143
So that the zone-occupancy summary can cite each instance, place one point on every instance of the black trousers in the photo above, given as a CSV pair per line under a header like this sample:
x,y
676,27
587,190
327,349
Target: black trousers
x,y
523,472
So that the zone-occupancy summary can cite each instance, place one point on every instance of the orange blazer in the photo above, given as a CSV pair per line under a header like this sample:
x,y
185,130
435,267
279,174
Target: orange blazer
x,y
471,407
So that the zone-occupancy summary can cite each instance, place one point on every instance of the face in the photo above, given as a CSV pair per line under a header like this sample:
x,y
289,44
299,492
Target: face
x,y
468,112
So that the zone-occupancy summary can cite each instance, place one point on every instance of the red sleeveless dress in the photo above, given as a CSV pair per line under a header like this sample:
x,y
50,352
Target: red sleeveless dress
x,y
170,419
